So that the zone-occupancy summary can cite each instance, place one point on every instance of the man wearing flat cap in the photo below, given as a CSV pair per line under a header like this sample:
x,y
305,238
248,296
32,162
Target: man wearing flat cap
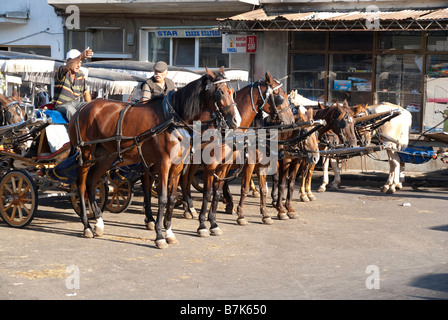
x,y
158,84
70,89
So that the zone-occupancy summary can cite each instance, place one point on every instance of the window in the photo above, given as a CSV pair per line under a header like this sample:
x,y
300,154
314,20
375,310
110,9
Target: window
x,y
399,40
350,78
308,75
189,51
345,41
437,41
210,53
398,81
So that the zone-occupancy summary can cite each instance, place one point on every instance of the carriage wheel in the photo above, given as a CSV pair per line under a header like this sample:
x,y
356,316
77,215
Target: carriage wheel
x,y
101,192
120,195
18,198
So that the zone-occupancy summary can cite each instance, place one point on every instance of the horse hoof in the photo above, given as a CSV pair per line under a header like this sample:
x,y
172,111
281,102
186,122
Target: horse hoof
x,y
256,194
390,191
384,189
304,198
281,210
161,244
188,215
293,215
268,220
88,233
312,197
216,232
172,240
282,216
242,222
98,231
194,213
150,225
203,233
321,189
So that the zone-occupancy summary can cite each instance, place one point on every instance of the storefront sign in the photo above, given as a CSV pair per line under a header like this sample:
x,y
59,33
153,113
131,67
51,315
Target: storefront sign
x,y
234,43
187,33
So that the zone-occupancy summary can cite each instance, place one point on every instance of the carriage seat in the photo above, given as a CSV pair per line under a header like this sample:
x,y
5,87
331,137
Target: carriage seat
x,y
64,149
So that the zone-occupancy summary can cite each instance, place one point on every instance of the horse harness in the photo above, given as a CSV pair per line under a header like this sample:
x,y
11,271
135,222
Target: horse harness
x,y
173,121
6,113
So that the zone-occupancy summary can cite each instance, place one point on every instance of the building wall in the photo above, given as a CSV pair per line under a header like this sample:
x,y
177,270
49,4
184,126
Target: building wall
x,y
44,27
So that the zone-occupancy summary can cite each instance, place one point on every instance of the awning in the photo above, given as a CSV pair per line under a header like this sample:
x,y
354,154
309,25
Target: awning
x,y
404,20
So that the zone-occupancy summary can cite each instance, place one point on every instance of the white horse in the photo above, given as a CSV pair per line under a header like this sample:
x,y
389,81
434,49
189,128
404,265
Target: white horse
x,y
394,135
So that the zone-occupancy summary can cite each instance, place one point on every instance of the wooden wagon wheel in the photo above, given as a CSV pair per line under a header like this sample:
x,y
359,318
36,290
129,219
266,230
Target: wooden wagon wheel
x,y
121,194
101,192
18,198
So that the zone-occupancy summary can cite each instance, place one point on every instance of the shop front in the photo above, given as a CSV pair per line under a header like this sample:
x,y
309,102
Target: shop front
x,y
402,58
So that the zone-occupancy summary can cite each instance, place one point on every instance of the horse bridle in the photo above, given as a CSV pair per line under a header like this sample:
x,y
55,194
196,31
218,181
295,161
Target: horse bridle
x,y
269,94
6,114
217,95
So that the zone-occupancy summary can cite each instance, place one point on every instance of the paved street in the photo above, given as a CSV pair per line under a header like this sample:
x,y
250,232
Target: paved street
x,y
355,243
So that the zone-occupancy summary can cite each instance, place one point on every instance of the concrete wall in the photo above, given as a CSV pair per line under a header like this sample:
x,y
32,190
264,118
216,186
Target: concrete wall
x,y
44,27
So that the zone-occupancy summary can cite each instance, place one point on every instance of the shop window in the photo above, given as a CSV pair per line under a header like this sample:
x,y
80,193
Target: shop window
x,y
183,52
437,41
348,41
398,81
436,93
192,52
350,78
308,75
210,53
308,41
400,40
158,48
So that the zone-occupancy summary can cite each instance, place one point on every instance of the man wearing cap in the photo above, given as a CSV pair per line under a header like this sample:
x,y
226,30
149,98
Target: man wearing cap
x,y
70,84
158,84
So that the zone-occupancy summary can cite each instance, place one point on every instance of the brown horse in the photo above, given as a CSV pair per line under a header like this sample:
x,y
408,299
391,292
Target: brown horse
x,y
265,95
290,165
108,130
340,120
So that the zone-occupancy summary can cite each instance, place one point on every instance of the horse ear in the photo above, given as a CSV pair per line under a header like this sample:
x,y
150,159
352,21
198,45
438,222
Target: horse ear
x,y
320,105
310,113
268,76
210,73
15,94
222,71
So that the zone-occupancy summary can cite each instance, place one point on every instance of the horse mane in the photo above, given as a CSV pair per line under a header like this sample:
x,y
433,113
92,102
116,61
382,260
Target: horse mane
x,y
188,101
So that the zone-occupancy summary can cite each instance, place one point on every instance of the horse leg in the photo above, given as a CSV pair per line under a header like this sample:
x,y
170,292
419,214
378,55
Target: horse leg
x,y
337,175
246,175
81,186
255,192
206,196
217,192
169,235
309,177
291,184
162,190
304,172
282,177
393,164
147,181
274,191
263,192
187,201
325,177
228,198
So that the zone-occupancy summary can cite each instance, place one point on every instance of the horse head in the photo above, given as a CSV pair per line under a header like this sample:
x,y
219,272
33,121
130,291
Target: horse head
x,y
309,145
11,112
345,126
275,100
219,95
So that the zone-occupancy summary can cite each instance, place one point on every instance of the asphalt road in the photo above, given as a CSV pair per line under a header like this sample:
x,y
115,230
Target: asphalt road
x,y
356,243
